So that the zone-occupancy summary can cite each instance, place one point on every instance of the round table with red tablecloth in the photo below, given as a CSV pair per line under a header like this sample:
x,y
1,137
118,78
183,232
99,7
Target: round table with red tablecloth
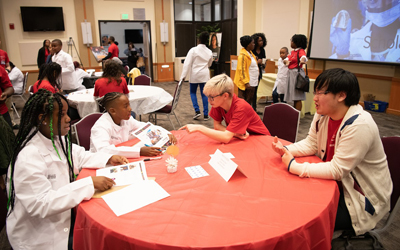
x,y
268,209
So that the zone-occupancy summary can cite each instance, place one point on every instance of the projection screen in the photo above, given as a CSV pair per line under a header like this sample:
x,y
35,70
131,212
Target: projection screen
x,y
356,30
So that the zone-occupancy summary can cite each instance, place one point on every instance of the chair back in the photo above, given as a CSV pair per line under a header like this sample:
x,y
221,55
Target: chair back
x,y
391,146
83,129
25,81
30,90
176,95
282,120
142,80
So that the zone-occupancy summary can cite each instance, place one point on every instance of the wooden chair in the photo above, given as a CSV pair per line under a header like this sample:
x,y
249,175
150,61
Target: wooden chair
x,y
282,120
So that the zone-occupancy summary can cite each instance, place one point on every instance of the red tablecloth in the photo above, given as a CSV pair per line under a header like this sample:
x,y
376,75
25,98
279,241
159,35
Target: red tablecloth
x,y
270,209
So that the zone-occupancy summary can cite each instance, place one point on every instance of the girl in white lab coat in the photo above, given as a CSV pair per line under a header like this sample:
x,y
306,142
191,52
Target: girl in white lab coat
x,y
115,126
41,178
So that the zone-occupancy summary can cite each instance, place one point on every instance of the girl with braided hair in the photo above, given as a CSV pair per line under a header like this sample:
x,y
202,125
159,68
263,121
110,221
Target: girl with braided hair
x,y
116,126
111,81
41,183
48,78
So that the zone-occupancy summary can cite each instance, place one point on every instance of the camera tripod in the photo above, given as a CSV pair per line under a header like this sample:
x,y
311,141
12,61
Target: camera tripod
x,y
70,44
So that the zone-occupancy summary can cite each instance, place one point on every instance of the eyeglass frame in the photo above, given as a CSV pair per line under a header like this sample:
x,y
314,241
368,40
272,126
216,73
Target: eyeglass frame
x,y
212,97
321,93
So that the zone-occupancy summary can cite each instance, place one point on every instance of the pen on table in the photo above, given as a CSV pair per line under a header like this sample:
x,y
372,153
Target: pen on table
x,y
147,145
152,159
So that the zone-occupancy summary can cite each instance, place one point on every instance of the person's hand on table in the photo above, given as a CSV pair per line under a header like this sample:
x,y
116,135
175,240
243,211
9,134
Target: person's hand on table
x,y
172,139
287,157
102,183
117,160
242,136
278,147
150,151
190,128
282,151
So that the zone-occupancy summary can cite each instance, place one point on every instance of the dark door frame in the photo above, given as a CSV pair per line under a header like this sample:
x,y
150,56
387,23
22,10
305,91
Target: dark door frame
x,y
148,22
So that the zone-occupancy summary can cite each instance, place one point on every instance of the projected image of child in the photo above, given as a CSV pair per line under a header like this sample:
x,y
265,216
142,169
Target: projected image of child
x,y
366,30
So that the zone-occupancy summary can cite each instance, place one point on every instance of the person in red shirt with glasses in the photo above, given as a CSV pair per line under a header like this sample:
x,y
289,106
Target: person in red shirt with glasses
x,y
240,118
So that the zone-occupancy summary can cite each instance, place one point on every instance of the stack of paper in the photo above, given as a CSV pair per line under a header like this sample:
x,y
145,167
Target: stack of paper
x,y
140,192
135,196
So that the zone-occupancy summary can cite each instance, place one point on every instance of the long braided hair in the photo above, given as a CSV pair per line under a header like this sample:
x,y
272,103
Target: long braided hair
x,y
51,71
41,102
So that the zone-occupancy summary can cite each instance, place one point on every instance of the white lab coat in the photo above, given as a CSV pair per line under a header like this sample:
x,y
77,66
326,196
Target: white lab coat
x,y
197,62
80,74
105,134
281,77
44,196
17,80
69,81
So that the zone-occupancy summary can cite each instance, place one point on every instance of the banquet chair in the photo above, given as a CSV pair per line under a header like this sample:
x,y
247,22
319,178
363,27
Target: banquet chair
x,y
21,95
142,80
282,120
169,110
83,129
391,146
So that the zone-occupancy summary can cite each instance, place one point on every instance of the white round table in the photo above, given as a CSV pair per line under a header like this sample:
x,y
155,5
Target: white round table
x,y
143,100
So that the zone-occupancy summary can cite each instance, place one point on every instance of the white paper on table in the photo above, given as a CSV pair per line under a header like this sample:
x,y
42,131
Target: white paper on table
x,y
135,196
223,165
125,174
196,171
229,155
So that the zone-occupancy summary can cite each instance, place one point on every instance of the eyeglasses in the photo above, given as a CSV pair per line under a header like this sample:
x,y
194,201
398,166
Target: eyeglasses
x,y
321,92
212,97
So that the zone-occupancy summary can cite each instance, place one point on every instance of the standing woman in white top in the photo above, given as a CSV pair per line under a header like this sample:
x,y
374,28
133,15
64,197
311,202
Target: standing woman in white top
x,y
16,78
197,62
246,77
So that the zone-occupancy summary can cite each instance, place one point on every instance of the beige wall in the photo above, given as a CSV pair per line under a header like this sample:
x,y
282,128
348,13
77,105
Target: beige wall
x,y
246,20
10,13
164,56
280,23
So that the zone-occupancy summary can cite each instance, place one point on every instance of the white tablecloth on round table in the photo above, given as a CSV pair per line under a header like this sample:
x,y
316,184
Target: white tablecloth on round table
x,y
143,100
